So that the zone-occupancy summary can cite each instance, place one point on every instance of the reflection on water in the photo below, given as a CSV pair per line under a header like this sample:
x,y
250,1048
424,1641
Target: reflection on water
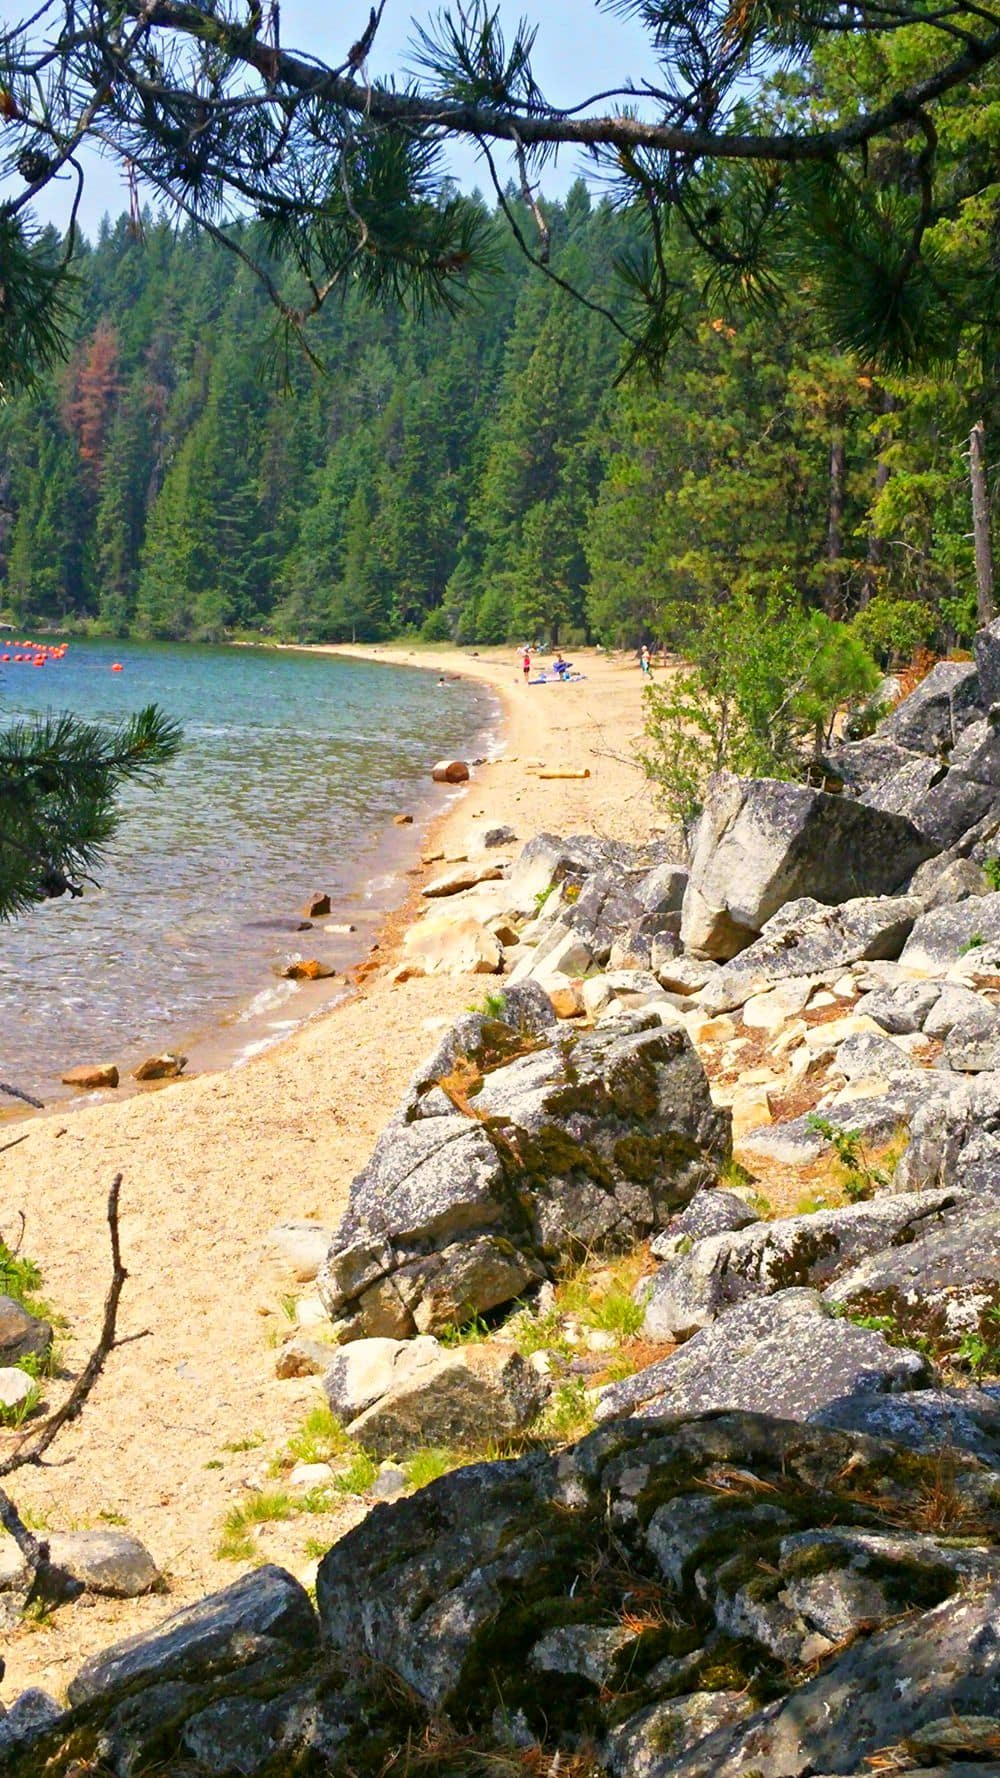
x,y
292,768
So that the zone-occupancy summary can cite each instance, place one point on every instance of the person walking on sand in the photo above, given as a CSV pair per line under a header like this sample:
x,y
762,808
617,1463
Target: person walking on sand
x,y
644,660
526,664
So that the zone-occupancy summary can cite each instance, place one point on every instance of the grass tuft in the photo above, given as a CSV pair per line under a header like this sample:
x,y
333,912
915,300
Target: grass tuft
x,y
18,1412
358,1476
236,1543
320,1438
426,1465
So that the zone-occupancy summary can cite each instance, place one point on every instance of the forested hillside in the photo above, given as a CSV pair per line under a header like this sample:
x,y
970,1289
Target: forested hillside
x,y
477,475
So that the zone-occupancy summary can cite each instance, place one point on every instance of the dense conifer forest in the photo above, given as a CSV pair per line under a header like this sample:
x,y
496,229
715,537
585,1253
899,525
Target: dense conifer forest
x,y
481,475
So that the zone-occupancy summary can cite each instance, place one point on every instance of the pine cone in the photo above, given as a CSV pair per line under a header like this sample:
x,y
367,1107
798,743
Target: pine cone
x,y
33,165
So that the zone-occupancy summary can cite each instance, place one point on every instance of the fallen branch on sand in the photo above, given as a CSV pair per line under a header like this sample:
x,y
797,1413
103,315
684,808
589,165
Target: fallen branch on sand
x,y
49,1583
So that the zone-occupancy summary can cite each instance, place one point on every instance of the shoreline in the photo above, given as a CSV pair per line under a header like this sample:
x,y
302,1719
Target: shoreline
x,y
272,1011
187,1417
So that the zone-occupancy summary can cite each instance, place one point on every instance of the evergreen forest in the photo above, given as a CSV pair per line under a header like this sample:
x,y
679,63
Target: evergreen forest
x,y
484,475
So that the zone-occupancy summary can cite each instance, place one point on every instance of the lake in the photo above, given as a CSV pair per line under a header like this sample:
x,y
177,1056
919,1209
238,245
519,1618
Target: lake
x,y
292,769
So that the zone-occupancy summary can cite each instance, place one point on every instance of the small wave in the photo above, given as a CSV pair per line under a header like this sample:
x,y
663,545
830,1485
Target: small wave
x,y
268,1000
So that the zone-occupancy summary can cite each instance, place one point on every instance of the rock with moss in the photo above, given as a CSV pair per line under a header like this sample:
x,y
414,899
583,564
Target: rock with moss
x,y
931,1420
617,1606
22,1335
951,876
902,1008
30,1716
263,1613
504,1165
427,1394
691,1289
878,1696
867,1055
543,863
710,1212
972,1055
668,1730
876,1119
955,1138
943,788
607,908
807,938
824,1586
761,843
962,932
932,718
787,1353
944,1289
960,1011
662,890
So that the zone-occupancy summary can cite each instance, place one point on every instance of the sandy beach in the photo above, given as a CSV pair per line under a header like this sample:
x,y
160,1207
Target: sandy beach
x,y
189,1413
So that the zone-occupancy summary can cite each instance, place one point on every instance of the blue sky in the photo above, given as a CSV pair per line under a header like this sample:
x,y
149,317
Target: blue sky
x,y
580,49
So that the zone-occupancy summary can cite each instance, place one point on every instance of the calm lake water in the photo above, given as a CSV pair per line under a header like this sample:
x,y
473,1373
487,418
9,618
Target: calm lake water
x,y
292,768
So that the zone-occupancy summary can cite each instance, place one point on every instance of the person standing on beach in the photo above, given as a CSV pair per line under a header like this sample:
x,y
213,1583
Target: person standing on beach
x,y
526,665
644,660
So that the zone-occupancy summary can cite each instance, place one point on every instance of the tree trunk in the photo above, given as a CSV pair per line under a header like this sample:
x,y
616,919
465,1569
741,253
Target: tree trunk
x,y
887,405
981,525
835,523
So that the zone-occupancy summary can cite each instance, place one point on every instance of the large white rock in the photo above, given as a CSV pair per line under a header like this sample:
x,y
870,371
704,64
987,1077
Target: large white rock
x,y
442,944
451,1397
15,1386
560,952
461,876
768,1012
366,1370
303,1246
760,843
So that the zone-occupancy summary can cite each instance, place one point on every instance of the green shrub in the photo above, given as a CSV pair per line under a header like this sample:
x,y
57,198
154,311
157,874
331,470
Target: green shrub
x,y
893,629
569,1414
860,1178
435,627
765,678
469,1330
358,1476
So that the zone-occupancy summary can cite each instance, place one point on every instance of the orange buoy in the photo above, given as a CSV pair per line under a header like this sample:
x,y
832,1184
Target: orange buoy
x,y
116,667
4,657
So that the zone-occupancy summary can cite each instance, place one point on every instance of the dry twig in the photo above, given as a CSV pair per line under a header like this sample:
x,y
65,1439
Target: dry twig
x,y
48,1582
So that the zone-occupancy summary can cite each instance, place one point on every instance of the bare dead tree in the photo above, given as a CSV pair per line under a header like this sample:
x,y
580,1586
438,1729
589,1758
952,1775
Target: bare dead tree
x,y
981,530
